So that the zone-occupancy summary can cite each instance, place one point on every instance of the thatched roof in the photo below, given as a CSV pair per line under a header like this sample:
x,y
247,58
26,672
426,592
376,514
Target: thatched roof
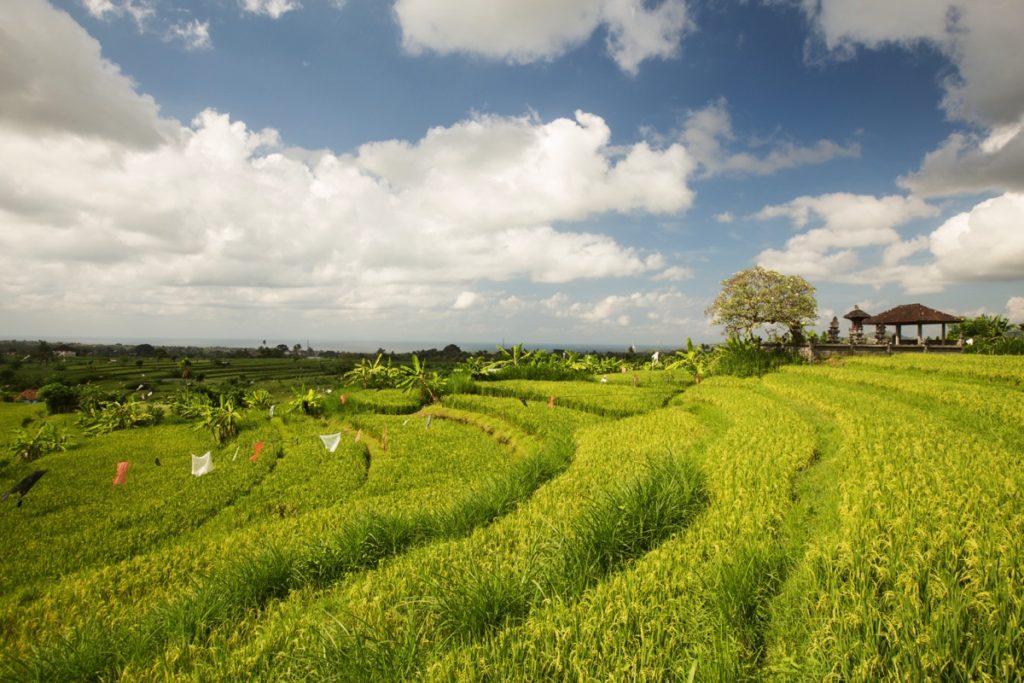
x,y
857,314
912,314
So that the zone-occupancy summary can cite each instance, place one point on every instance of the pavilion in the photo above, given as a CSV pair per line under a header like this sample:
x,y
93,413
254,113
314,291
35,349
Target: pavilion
x,y
911,314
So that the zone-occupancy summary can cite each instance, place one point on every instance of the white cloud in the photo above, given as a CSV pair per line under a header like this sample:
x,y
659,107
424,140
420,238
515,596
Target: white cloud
x,y
968,162
194,35
724,217
1015,309
53,79
215,216
466,300
848,220
140,11
665,309
274,9
674,274
982,39
523,31
983,244
708,134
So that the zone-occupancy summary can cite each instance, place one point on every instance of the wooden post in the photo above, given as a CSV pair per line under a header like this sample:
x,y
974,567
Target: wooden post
x,y
899,333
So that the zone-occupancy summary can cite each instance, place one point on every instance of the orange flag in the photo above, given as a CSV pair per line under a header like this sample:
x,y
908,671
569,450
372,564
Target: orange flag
x,y
122,474
343,399
257,447
551,401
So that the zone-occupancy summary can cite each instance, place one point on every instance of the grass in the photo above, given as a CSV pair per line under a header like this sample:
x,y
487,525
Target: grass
x,y
857,520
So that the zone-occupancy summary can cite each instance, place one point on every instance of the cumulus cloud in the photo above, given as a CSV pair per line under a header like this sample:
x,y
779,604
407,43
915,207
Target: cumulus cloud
x,y
983,244
54,80
846,223
982,39
140,11
111,206
709,135
523,31
274,9
642,311
969,162
724,217
1015,309
219,206
194,35
674,274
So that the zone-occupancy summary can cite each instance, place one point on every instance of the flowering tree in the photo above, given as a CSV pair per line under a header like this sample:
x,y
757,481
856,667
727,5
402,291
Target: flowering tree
x,y
755,297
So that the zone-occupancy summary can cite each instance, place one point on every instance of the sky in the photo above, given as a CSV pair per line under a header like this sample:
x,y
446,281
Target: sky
x,y
573,172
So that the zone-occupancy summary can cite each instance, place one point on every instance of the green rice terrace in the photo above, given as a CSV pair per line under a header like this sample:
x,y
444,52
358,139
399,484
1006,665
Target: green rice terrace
x,y
596,519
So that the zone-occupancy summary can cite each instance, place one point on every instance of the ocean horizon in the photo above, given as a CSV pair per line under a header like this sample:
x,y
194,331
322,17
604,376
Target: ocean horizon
x,y
353,346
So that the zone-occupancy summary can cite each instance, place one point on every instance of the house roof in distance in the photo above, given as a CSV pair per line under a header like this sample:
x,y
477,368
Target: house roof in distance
x,y
908,314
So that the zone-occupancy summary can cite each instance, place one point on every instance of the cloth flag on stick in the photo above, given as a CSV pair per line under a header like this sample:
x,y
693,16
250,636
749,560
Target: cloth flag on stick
x,y
331,441
429,418
256,448
272,411
202,465
551,401
233,457
343,399
122,474
359,435
384,440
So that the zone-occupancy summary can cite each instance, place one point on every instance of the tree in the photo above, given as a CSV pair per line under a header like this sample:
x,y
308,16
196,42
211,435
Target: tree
x,y
755,297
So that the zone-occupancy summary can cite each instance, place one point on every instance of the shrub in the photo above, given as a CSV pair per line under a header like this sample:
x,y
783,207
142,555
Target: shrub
x,y
47,439
59,398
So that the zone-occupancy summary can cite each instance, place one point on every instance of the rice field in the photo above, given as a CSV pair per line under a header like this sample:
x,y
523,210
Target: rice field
x,y
860,520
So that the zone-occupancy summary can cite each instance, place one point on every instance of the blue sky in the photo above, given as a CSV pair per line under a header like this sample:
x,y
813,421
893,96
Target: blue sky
x,y
578,172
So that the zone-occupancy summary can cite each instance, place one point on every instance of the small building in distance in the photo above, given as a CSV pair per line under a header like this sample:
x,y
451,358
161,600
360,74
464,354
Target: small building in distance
x,y
911,314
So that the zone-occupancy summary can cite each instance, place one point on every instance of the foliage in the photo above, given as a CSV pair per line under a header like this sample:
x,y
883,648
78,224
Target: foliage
x,y
221,420
112,416
980,327
308,401
694,360
28,445
757,296
375,375
415,378
257,398
59,398
746,358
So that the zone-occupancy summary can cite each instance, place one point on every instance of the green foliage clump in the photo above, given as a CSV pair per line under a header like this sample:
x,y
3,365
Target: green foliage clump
x,y
112,416
257,398
59,398
28,445
755,297
746,358
221,420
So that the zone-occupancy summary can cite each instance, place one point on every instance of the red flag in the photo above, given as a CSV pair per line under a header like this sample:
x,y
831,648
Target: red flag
x,y
122,474
257,447
343,399
551,401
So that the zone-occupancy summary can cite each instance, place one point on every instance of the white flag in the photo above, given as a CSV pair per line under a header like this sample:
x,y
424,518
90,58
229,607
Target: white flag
x,y
271,411
202,464
429,418
331,441
233,457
